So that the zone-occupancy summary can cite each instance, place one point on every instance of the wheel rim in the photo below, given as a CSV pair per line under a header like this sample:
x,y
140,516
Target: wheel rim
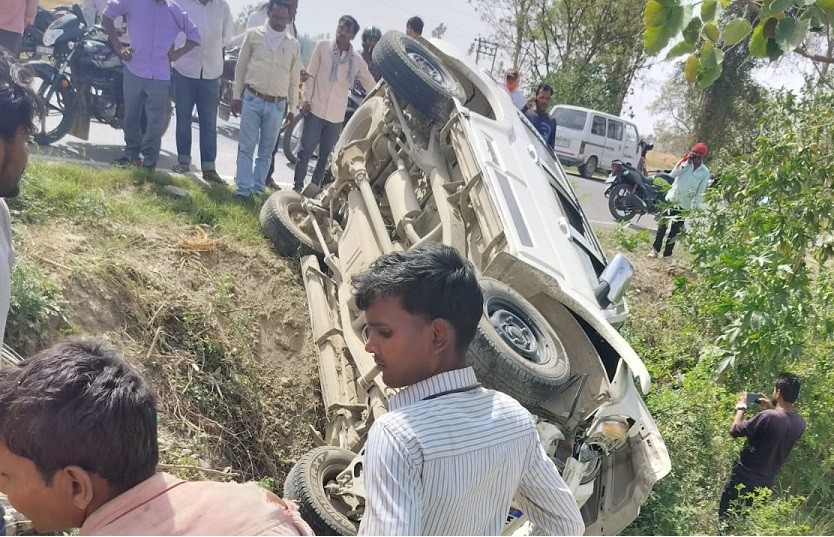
x,y
621,206
515,329
329,471
301,220
53,108
425,64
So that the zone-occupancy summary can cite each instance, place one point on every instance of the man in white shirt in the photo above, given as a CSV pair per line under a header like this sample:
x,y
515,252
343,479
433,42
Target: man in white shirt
x,y
197,82
449,456
266,85
334,66
18,107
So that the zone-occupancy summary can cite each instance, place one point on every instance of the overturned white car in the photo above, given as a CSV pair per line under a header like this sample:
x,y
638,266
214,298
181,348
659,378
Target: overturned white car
x,y
438,152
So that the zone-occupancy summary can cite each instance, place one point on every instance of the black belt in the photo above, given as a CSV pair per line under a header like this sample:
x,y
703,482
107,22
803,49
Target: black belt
x,y
266,98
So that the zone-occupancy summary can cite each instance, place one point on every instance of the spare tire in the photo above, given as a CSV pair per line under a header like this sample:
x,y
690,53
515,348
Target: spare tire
x,y
306,485
417,75
285,223
515,349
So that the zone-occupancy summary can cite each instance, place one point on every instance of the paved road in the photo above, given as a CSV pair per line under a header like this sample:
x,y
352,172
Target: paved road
x,y
106,143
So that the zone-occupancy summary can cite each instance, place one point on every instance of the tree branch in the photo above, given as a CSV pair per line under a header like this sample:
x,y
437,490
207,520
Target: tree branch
x,y
813,57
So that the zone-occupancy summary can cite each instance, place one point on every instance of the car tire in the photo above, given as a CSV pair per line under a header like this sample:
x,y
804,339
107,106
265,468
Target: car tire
x,y
515,349
306,482
616,203
281,222
588,169
417,75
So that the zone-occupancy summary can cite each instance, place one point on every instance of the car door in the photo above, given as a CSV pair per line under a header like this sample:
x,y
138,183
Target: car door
x,y
613,143
595,143
631,151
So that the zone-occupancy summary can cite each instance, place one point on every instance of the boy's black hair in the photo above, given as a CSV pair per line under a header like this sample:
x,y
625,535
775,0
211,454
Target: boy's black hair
x,y
544,87
18,102
350,20
416,24
78,403
282,3
432,280
788,385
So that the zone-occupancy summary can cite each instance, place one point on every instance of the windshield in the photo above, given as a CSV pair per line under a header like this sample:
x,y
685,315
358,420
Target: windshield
x,y
569,119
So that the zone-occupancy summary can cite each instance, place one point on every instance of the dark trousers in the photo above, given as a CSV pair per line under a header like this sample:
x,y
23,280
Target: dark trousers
x,y
673,215
152,96
10,41
316,132
731,494
205,94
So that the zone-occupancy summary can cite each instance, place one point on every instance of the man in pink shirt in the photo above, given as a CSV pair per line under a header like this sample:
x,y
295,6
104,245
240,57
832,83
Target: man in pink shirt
x,y
334,66
78,449
15,16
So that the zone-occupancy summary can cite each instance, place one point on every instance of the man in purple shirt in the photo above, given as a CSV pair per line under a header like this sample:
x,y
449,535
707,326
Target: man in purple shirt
x,y
153,26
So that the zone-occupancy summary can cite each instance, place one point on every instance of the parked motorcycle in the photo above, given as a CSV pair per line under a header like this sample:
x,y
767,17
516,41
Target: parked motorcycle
x,y
292,139
83,81
631,193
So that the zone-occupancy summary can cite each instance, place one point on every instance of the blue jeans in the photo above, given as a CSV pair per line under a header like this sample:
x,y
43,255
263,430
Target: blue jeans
x,y
260,123
205,94
152,96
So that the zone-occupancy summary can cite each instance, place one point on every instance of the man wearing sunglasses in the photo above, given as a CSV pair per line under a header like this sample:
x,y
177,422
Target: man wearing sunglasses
x,y
686,193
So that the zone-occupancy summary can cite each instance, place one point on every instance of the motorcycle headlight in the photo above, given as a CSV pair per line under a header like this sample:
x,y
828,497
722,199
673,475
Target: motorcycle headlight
x,y
51,35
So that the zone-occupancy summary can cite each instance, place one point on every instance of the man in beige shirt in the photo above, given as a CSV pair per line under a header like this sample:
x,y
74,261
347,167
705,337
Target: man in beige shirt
x,y
266,77
333,68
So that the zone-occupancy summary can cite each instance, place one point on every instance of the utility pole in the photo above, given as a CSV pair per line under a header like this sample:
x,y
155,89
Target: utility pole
x,y
485,48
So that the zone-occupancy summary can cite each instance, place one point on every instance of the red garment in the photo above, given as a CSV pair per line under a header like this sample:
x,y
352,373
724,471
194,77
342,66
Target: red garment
x,y
166,505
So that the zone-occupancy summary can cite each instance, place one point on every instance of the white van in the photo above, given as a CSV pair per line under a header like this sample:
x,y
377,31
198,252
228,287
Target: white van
x,y
590,140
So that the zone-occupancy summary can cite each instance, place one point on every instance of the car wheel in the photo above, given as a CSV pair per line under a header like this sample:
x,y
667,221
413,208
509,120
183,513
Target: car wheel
x,y
287,226
307,483
588,169
515,349
619,206
417,75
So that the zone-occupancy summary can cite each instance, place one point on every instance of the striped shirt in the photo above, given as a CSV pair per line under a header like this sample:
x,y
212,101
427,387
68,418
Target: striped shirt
x,y
450,456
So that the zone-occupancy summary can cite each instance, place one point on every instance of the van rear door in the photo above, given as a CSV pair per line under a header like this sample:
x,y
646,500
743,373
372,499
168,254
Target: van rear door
x,y
631,153
570,128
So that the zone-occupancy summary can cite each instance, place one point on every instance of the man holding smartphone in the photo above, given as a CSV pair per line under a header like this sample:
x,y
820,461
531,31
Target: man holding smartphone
x,y
770,435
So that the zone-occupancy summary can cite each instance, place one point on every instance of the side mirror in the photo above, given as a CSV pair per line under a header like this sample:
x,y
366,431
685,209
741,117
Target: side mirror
x,y
76,10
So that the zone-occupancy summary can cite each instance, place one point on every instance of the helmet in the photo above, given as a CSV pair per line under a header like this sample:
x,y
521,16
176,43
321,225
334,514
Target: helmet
x,y
371,31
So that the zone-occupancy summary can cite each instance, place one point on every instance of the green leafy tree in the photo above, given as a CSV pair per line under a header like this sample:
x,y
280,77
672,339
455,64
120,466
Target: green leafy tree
x,y
768,28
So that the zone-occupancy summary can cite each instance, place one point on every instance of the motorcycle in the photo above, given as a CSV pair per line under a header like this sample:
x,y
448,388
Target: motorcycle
x,y
292,140
631,193
32,39
83,81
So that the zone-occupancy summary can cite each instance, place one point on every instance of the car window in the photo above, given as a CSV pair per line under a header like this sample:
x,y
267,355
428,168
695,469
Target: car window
x,y
570,119
598,127
615,130
630,133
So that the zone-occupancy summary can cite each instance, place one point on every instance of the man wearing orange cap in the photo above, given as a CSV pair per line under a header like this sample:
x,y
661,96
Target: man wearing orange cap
x,y
512,79
686,193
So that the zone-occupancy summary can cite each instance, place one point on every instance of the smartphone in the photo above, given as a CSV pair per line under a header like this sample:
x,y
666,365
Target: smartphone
x,y
753,398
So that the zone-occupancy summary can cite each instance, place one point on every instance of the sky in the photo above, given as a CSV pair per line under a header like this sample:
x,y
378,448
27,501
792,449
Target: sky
x,y
319,17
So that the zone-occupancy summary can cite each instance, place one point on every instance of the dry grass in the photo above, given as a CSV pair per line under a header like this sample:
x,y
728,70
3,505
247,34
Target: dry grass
x,y
655,160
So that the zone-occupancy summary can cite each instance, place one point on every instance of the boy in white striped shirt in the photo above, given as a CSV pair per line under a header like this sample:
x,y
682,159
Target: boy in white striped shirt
x,y
449,456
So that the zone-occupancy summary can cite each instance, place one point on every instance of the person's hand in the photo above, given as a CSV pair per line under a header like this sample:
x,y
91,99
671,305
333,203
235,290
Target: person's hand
x,y
531,102
304,75
764,402
175,54
235,107
305,108
742,399
288,120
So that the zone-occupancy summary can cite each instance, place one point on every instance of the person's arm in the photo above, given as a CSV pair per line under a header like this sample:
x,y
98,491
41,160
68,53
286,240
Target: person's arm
x,y
393,489
313,71
740,428
295,80
551,140
546,498
240,71
228,25
192,36
31,12
114,9
364,74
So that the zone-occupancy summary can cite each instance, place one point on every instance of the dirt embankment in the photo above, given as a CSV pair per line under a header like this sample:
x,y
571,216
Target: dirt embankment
x,y
221,329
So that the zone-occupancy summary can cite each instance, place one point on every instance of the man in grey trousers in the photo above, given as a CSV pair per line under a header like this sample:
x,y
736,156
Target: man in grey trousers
x,y
147,72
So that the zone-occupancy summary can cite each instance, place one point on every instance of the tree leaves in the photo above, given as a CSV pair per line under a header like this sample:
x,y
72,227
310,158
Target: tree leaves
x,y
790,33
663,20
708,10
692,31
680,49
691,68
735,31
710,31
